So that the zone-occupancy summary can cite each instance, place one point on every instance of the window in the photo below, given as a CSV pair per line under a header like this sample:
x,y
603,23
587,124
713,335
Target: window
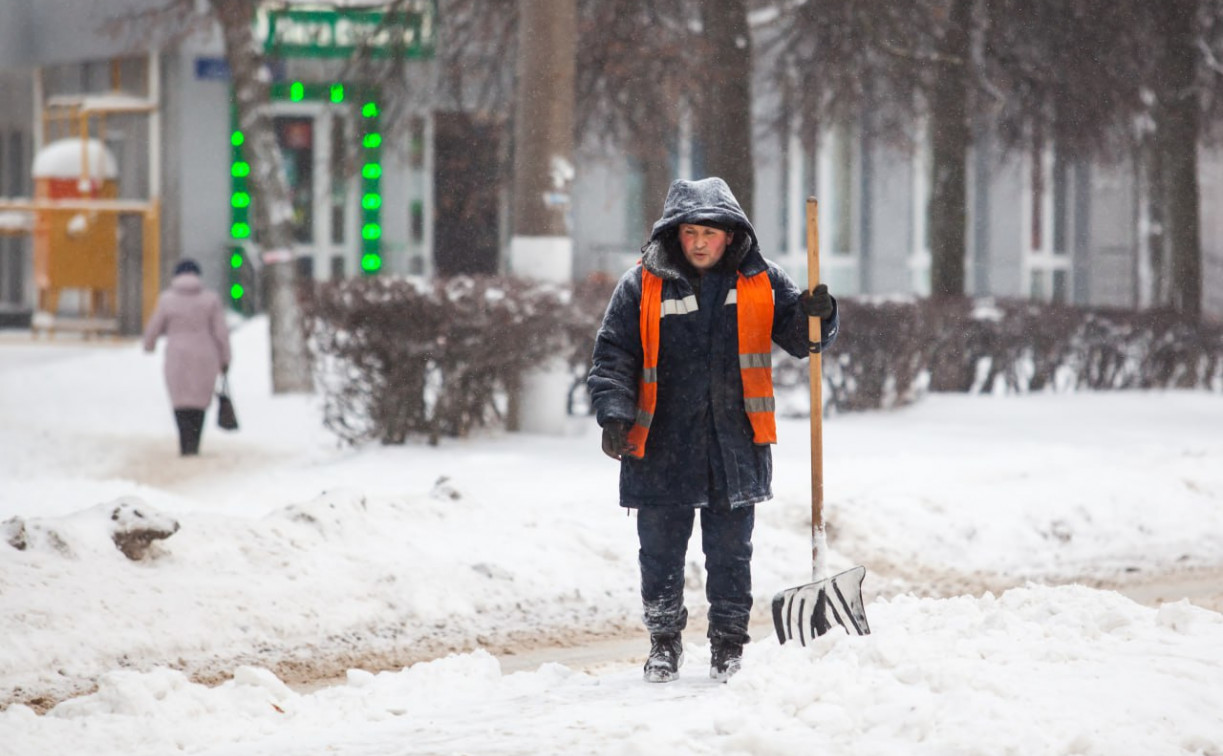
x,y
919,261
1047,208
634,201
339,179
416,143
839,183
416,214
295,135
14,168
841,197
798,163
1061,199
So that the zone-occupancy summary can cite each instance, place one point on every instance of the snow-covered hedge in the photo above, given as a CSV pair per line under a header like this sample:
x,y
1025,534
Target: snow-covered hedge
x,y
890,352
400,357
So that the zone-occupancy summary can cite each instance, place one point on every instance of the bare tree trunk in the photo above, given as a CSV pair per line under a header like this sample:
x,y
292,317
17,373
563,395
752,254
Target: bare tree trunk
x,y
1152,273
950,138
725,121
658,176
272,208
1177,133
543,124
541,247
650,147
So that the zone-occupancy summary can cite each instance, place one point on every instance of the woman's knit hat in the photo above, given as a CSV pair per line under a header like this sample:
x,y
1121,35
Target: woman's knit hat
x,y
187,265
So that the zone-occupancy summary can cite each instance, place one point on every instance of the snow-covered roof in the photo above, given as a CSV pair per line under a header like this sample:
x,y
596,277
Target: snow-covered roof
x,y
62,159
108,102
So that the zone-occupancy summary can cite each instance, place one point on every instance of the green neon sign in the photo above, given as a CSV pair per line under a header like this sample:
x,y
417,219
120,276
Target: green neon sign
x,y
370,140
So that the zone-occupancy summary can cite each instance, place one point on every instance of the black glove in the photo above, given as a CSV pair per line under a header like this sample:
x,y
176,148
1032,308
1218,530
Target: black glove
x,y
817,303
615,439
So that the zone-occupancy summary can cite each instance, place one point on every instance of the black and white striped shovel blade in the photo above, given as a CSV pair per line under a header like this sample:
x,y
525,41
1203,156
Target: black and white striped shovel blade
x,y
810,610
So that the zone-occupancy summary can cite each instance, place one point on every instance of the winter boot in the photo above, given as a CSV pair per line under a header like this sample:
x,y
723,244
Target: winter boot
x,y
726,658
666,654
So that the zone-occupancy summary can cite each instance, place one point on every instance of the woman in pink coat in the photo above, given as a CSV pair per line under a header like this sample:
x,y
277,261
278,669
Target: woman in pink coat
x,y
197,349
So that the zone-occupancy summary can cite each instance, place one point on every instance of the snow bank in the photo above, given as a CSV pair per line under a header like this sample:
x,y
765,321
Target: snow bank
x,y
1035,670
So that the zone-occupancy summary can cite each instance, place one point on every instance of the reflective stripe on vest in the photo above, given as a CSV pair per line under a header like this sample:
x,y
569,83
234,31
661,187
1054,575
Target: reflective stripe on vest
x,y
754,300
755,303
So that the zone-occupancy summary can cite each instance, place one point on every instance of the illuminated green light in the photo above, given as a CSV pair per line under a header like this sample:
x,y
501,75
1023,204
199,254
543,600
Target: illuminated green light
x,y
371,202
296,91
236,139
240,199
240,231
369,110
236,291
371,171
235,260
240,169
371,231
371,141
337,93
371,263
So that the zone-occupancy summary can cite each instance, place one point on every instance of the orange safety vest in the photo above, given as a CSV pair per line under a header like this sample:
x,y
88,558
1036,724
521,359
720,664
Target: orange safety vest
x,y
754,297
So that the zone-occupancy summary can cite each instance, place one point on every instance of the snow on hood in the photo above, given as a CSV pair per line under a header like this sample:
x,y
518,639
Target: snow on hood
x,y
708,199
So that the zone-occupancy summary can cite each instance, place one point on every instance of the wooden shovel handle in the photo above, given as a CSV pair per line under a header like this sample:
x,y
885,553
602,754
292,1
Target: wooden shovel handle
x,y
817,383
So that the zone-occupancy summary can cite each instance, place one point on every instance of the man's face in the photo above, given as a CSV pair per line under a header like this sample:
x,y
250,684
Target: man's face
x,y
703,245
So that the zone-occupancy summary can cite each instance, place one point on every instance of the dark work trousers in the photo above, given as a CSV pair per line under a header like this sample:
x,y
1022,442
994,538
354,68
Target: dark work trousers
x,y
726,539
190,428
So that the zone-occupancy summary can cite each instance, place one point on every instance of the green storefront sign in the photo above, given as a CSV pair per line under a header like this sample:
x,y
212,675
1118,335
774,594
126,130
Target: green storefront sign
x,y
306,32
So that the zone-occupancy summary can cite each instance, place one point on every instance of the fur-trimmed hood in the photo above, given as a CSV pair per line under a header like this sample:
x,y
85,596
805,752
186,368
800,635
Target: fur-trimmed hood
x,y
694,202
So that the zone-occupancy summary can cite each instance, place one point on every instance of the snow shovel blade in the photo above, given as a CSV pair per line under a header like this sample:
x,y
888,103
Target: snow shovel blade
x,y
813,609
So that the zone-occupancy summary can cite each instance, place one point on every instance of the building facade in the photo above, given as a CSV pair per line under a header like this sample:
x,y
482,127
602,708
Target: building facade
x,y
1039,226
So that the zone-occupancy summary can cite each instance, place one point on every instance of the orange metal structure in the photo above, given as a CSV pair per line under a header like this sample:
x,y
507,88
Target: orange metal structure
x,y
76,249
74,213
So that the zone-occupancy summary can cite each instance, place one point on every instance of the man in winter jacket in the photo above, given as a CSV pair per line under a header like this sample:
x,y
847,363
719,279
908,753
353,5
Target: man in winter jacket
x,y
682,387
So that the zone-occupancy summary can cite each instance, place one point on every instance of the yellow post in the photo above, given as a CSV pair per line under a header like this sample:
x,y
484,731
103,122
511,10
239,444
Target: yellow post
x,y
84,150
151,260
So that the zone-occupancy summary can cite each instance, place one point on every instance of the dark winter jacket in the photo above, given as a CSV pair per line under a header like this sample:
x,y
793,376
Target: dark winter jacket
x,y
700,450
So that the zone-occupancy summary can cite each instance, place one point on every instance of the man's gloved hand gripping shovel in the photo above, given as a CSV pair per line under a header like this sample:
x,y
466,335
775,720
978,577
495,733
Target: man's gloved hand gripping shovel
x,y
811,610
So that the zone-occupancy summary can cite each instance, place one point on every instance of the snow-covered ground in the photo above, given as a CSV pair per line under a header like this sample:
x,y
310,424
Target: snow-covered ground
x,y
982,522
